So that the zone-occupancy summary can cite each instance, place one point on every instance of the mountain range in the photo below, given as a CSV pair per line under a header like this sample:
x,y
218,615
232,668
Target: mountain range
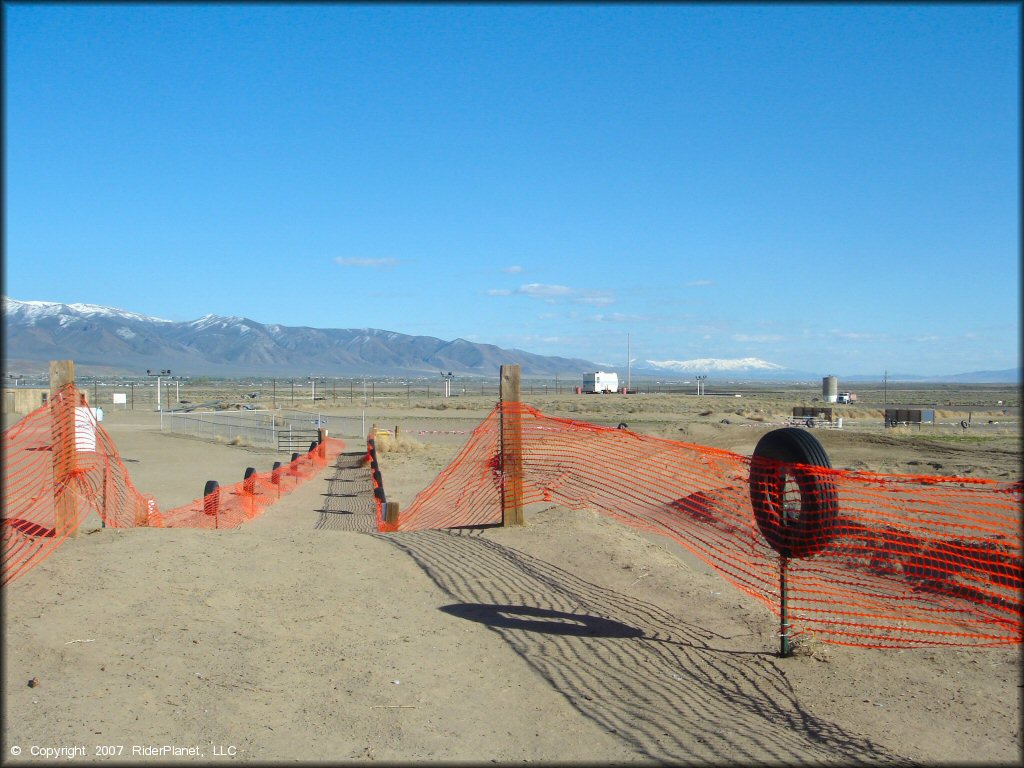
x,y
105,340
108,341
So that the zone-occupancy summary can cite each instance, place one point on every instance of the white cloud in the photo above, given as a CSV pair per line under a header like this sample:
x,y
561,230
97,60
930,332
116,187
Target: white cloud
x,y
356,261
699,283
595,298
515,269
618,317
763,337
551,294
542,291
857,336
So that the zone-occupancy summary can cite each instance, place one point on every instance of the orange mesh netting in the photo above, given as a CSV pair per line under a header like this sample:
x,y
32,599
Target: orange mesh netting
x,y
60,466
873,560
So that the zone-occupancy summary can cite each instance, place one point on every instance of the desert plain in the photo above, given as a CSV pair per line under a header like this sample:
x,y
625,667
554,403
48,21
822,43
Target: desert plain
x,y
307,636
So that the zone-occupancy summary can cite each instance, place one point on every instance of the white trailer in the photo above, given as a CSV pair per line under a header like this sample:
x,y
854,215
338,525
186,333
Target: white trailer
x,y
600,382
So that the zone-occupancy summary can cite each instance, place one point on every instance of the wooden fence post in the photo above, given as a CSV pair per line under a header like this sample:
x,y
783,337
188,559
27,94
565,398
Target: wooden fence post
x,y
62,431
511,447
391,513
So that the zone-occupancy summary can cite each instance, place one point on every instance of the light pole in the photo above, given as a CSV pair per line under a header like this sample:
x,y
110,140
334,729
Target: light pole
x,y
447,382
700,384
158,376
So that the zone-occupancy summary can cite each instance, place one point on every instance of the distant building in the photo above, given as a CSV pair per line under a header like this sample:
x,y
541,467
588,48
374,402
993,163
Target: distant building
x,y
24,400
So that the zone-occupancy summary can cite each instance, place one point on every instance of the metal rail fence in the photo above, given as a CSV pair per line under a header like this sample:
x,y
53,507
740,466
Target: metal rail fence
x,y
278,429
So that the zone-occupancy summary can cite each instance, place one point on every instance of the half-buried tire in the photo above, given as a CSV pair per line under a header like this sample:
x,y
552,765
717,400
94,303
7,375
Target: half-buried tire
x,y
211,497
794,527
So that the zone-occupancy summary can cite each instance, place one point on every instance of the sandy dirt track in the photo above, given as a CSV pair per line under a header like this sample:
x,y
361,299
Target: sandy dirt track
x,y
306,636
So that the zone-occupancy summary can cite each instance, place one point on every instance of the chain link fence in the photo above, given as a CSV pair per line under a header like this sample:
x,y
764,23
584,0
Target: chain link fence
x,y
283,430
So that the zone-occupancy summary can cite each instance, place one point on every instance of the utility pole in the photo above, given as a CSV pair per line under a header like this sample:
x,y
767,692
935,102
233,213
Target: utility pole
x,y
628,362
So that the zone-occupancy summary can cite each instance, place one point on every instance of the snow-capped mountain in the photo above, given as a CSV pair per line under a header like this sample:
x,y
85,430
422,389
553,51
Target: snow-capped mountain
x,y
711,364
113,340
735,369
31,312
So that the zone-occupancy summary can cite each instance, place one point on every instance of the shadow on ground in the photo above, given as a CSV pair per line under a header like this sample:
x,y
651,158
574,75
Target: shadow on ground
x,y
348,504
674,691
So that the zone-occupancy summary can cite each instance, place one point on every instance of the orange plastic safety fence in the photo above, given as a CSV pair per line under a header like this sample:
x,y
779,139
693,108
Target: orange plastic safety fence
x,y
885,561
60,465
376,478
230,506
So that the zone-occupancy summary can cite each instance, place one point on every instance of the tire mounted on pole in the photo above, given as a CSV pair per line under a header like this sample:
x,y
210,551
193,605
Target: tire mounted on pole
x,y
790,530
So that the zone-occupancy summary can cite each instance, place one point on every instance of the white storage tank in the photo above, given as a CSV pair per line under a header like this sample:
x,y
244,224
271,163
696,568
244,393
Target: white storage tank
x,y
830,388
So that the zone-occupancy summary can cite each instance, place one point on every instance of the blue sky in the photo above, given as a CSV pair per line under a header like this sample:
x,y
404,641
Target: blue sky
x,y
830,188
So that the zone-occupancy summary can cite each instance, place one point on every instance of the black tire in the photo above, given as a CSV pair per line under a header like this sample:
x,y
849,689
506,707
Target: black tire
x,y
312,446
211,497
295,456
249,472
812,527
623,425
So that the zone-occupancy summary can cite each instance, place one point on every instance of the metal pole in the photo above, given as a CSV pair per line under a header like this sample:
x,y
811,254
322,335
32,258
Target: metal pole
x,y
784,648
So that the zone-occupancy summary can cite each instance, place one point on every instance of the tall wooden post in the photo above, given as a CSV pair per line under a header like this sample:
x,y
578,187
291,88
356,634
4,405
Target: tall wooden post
x,y
511,447
62,419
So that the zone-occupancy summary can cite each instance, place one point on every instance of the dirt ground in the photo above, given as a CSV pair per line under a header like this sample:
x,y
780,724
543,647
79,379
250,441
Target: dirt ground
x,y
305,636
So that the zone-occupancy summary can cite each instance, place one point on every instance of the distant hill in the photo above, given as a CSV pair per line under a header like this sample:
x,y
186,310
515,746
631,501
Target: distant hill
x,y
1005,376
754,369
109,341
112,341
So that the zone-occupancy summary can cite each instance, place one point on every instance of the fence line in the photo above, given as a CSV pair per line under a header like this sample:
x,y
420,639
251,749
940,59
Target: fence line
x,y
269,428
60,466
885,561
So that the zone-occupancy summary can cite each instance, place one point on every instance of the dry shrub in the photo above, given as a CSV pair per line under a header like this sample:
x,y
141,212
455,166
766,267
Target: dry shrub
x,y
404,444
706,413
236,440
